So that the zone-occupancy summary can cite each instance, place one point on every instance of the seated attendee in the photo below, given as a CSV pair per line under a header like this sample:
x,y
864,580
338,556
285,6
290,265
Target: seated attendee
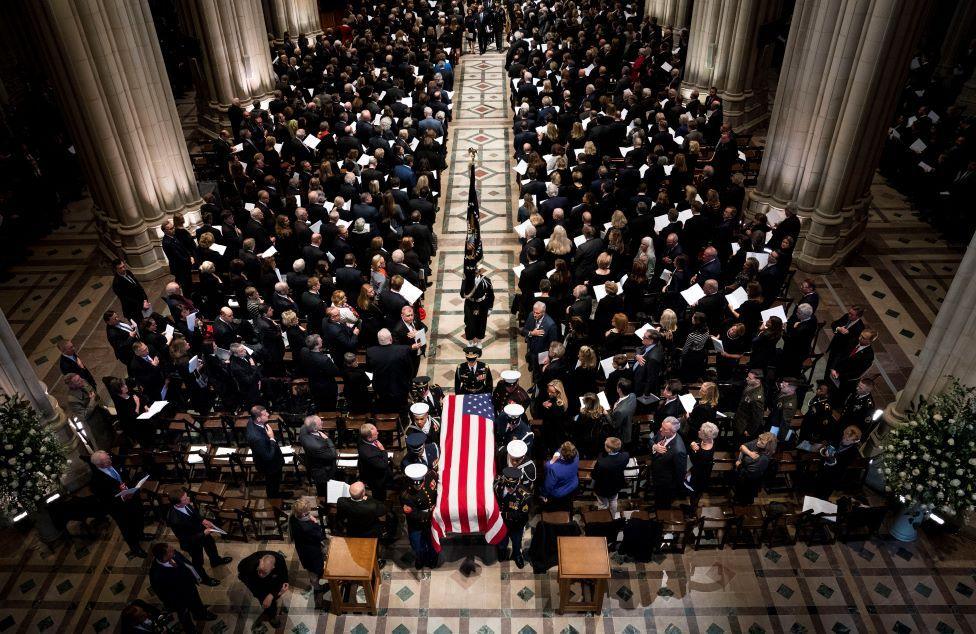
x,y
754,460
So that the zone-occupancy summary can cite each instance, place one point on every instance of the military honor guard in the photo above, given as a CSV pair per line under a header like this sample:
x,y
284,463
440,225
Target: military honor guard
x,y
432,395
518,458
508,391
418,502
472,376
514,494
511,425
421,421
420,451
479,296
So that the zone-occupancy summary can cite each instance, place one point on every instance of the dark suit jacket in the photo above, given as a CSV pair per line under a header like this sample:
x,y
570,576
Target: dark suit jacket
x,y
360,519
392,303
647,376
69,366
374,467
668,469
267,454
339,338
852,366
176,587
130,294
187,528
349,279
320,455
150,377
392,369
608,474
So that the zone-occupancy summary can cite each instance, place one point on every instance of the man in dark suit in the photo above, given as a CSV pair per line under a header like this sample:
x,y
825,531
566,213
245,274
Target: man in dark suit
x,y
622,412
847,330
147,370
246,374
226,329
359,515
194,533
355,386
810,296
608,474
374,464
281,299
130,292
180,260
424,241
539,331
670,404
668,463
70,363
649,363
320,453
849,369
798,337
771,279
313,253
391,302
711,268
392,368
713,305
528,281
174,581
585,261
788,226
126,509
339,337
265,573
349,279
121,335
268,459
321,371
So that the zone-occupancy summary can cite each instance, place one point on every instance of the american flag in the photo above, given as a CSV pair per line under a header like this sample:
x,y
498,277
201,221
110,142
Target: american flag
x,y
465,498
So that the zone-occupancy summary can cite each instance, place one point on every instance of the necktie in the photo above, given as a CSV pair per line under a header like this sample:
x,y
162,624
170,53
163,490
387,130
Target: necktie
x,y
115,474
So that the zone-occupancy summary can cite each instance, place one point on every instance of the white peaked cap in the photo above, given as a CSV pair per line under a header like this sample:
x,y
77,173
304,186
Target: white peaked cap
x,y
416,471
511,375
514,410
517,449
419,409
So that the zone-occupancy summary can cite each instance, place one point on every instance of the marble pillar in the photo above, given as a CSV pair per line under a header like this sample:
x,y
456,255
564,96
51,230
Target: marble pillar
x,y
235,60
296,17
17,376
845,65
673,13
104,59
948,349
723,51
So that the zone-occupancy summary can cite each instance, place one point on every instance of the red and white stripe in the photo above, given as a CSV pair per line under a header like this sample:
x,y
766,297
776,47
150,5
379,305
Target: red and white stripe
x,y
465,498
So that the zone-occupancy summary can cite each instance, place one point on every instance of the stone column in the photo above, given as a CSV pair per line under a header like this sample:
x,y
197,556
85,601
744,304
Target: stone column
x,y
235,58
958,35
723,52
17,376
673,13
845,64
948,349
297,17
104,58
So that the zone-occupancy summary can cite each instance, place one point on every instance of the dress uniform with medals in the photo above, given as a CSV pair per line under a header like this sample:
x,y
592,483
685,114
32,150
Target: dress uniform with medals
x,y
479,296
472,376
423,392
508,391
818,422
513,494
518,457
857,411
419,451
511,425
418,502
421,421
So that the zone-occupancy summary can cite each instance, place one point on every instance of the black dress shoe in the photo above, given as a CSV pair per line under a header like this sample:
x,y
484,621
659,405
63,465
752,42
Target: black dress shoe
x,y
221,561
210,581
519,561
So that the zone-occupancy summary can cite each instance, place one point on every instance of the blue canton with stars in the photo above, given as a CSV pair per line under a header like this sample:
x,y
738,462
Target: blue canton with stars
x,y
478,405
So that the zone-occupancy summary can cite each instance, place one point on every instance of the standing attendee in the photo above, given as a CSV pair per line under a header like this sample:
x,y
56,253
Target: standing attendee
x,y
307,534
265,573
562,479
847,330
749,417
194,532
622,413
849,369
668,463
754,460
124,504
130,292
69,362
702,458
268,459
539,332
174,580
84,405
608,475
374,465
392,368
180,258
320,453
360,515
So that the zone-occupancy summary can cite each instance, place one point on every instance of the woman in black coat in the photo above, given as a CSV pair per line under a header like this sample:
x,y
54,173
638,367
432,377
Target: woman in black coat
x,y
306,534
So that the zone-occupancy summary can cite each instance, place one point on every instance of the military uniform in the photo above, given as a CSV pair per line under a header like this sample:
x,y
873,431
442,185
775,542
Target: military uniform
x,y
422,422
506,393
749,416
818,422
478,300
858,408
418,503
468,380
508,429
514,495
423,392
419,451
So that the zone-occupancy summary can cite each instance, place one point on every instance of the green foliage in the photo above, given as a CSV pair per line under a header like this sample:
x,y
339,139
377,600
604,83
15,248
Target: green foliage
x,y
931,458
32,459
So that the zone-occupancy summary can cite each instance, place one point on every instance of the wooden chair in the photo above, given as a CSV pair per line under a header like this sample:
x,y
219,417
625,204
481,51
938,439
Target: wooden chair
x,y
780,527
749,524
715,524
389,429
860,523
816,529
267,518
230,516
675,530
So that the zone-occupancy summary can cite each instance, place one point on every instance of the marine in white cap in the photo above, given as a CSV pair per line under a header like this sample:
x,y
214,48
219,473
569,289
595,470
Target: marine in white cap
x,y
418,502
518,457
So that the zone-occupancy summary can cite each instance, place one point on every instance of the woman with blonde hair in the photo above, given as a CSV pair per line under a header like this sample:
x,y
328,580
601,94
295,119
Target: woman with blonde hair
x,y
704,410
559,245
294,332
377,273
552,411
347,314
584,376
668,327
562,479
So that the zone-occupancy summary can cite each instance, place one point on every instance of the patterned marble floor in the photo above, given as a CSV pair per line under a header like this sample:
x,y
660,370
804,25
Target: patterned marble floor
x,y
866,587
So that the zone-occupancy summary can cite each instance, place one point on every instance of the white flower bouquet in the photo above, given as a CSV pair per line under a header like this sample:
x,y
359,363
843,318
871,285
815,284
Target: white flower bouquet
x,y
32,459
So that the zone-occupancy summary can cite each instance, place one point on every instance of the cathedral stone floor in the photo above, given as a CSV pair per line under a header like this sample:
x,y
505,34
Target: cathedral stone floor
x,y
900,275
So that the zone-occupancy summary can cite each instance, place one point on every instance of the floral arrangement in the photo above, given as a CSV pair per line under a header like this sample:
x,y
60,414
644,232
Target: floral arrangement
x,y
32,459
930,460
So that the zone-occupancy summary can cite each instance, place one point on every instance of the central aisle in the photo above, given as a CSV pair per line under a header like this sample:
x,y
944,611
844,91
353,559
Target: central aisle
x,y
480,121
